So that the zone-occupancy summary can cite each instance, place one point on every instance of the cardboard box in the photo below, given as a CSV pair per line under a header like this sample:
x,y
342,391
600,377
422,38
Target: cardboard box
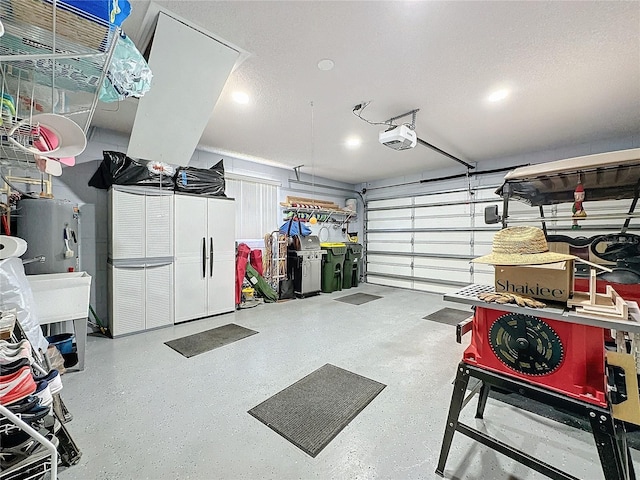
x,y
552,281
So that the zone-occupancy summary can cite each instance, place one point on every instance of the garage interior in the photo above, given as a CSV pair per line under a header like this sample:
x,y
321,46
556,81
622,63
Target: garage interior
x,y
383,133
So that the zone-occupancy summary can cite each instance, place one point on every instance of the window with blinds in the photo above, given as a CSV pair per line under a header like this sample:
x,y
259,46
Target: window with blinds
x,y
256,207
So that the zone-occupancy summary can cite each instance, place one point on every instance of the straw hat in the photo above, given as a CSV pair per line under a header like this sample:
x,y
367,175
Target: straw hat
x,y
521,246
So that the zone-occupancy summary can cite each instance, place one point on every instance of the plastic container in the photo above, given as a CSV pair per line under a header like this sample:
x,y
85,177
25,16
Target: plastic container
x,y
351,269
63,342
351,204
332,265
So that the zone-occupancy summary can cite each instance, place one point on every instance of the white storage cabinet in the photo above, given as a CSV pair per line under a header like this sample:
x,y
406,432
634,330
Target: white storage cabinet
x,y
204,256
140,260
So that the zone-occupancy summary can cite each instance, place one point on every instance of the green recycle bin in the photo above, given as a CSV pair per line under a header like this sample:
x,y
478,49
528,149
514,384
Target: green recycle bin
x,y
332,264
351,269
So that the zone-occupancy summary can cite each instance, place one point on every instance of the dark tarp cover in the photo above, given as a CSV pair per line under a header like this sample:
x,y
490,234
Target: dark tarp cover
x,y
199,180
118,169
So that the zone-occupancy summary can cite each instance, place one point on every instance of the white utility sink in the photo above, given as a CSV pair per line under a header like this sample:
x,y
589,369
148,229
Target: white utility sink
x,y
60,296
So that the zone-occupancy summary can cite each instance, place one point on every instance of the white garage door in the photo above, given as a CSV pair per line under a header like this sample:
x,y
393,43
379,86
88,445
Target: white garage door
x,y
426,242
423,242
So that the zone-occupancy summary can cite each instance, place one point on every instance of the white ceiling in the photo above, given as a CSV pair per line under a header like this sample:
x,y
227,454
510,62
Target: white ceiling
x,y
573,70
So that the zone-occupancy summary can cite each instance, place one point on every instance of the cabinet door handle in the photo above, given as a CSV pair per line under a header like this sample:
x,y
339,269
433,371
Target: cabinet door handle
x,y
211,256
204,257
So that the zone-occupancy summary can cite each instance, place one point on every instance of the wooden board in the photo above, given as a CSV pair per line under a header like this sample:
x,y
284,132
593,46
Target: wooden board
x,y
313,201
333,208
629,410
608,305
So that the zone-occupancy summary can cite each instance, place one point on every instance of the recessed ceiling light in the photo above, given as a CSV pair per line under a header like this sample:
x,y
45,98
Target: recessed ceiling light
x,y
498,95
325,64
353,142
240,97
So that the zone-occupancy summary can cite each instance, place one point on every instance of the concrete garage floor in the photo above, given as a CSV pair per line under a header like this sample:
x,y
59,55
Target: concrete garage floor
x,y
141,410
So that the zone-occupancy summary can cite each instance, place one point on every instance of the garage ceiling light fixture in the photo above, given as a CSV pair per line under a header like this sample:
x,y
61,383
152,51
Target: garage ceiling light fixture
x,y
353,142
498,95
240,97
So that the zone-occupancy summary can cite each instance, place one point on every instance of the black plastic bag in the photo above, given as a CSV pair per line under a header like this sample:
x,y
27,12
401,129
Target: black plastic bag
x,y
118,169
200,180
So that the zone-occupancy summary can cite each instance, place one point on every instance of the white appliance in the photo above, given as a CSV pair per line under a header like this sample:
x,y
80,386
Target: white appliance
x,y
140,264
204,256
398,137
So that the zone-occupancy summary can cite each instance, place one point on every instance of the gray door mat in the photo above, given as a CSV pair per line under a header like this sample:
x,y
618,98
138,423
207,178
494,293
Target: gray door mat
x,y
198,343
357,298
449,316
312,411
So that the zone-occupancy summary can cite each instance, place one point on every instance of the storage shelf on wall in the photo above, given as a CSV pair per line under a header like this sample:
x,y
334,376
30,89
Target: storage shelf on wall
x,y
321,214
53,59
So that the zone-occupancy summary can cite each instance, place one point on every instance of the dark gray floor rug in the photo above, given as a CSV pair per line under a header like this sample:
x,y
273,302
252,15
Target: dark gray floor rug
x,y
198,343
357,298
450,316
312,411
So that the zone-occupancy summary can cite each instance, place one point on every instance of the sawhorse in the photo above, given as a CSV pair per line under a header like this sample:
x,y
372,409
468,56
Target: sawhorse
x,y
609,433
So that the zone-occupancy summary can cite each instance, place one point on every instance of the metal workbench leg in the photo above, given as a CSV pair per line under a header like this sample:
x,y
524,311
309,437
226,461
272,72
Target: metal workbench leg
x,y
632,472
459,390
611,443
482,399
80,327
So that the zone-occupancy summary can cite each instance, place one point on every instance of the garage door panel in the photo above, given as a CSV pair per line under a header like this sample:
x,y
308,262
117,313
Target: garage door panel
x,y
480,249
394,202
390,282
487,194
484,268
395,237
457,210
451,197
442,248
482,278
441,263
374,268
587,233
389,224
605,206
389,214
485,236
565,210
441,274
443,237
389,259
443,222
389,247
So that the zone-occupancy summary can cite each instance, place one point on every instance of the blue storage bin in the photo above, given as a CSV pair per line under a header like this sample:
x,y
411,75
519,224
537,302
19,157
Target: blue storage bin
x,y
63,342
